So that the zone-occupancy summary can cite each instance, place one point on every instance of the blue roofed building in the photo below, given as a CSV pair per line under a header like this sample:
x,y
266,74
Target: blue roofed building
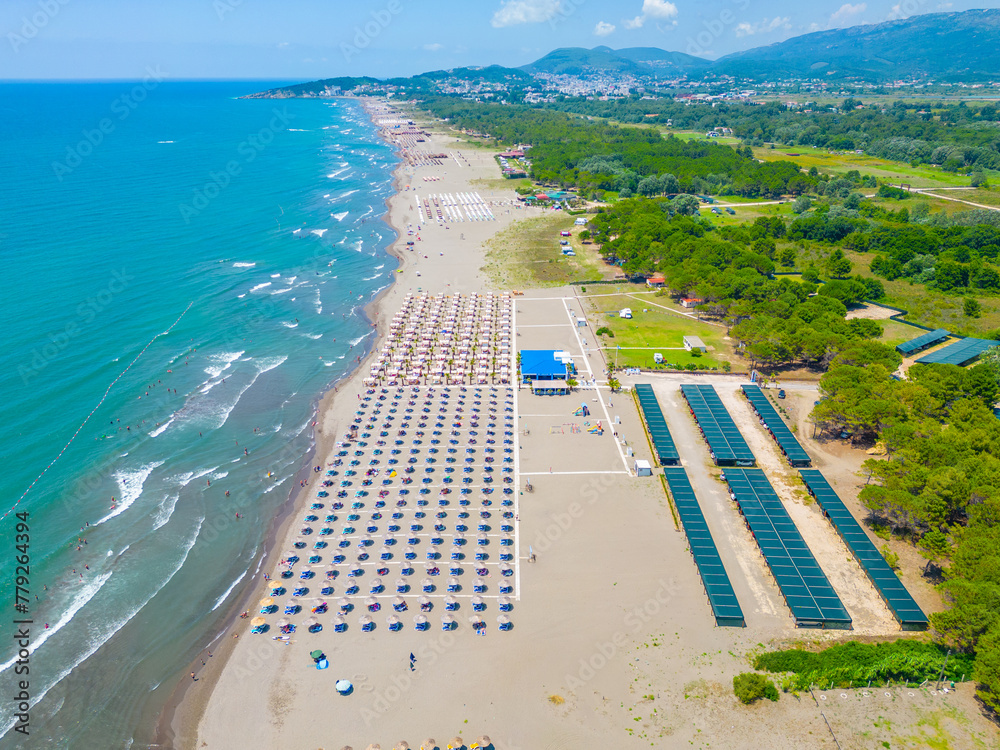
x,y
546,368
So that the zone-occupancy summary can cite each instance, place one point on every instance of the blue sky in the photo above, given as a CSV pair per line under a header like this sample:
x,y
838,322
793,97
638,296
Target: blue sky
x,y
309,39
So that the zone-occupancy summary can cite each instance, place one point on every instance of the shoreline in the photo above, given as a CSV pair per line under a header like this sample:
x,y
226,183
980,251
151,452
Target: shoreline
x,y
176,725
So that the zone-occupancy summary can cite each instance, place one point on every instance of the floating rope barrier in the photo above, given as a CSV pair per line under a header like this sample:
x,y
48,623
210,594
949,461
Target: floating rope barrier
x,y
94,410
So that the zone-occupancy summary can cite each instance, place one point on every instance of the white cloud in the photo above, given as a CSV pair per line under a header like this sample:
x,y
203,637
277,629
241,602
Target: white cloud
x,y
514,12
659,9
944,6
435,47
845,13
764,27
603,28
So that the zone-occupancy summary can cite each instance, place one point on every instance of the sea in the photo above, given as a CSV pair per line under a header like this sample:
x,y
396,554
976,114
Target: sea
x,y
187,273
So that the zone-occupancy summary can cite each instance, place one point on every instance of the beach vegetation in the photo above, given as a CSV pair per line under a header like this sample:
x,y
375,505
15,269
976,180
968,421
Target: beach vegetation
x,y
856,664
750,687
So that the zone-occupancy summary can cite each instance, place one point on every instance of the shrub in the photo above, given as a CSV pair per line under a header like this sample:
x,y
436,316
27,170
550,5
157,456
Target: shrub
x,y
859,663
605,331
750,687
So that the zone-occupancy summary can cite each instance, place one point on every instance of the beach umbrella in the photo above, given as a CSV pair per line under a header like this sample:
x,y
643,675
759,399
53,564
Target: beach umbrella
x,y
450,601
393,620
429,744
484,741
257,622
309,622
366,620
447,621
317,654
477,601
401,746
344,602
423,601
504,601
398,602
339,621
274,585
376,584
503,619
456,743
266,601
477,621
371,601
283,622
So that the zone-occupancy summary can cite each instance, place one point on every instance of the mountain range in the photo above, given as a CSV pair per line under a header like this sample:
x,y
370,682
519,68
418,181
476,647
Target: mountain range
x,y
962,46
945,46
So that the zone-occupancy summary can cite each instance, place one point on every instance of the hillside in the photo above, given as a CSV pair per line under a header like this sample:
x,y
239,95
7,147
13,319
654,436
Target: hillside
x,y
945,46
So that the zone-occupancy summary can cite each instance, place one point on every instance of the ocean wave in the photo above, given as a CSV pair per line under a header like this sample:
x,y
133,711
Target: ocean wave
x,y
244,265
359,339
189,476
164,512
275,275
260,286
225,359
340,216
159,430
319,232
281,291
263,364
116,626
349,192
339,171
371,278
289,325
129,488
84,595
222,598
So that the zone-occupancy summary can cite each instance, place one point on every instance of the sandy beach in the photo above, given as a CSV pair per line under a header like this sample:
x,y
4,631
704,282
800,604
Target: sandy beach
x,y
608,640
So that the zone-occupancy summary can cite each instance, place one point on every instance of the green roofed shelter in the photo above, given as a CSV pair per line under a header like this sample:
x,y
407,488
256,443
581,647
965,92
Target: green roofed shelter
x,y
903,607
783,436
960,353
663,442
806,589
721,596
908,348
717,426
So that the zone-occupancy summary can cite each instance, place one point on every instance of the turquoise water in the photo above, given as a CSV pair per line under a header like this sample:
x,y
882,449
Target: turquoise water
x,y
125,206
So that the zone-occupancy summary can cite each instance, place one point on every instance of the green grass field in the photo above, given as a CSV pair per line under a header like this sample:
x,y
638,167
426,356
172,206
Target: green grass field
x,y
841,163
656,330
527,254
930,307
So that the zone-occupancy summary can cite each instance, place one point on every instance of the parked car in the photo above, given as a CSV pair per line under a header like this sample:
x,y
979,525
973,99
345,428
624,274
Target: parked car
x,y
781,394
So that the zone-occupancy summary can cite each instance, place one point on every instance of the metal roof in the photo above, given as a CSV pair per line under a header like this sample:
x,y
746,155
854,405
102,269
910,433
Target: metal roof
x,y
805,587
922,342
958,353
892,590
724,439
721,596
541,363
782,435
663,441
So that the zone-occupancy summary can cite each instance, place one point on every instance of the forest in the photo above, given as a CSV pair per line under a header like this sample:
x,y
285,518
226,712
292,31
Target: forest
x,y
956,136
597,157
